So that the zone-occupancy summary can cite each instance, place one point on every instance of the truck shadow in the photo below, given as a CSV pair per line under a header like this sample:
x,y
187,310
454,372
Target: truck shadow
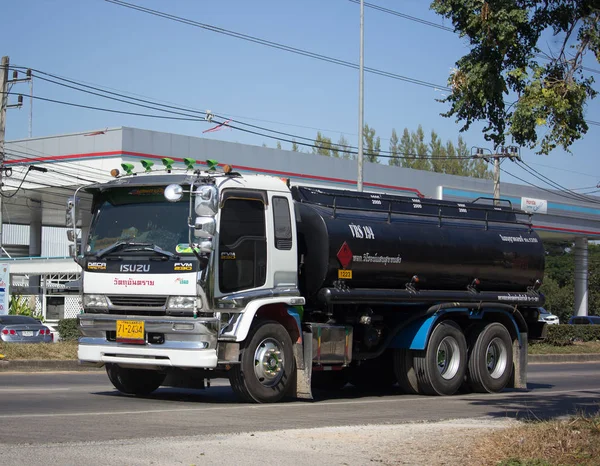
x,y
528,407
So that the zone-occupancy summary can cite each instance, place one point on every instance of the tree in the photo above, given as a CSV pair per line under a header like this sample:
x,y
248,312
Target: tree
x,y
438,154
322,145
418,141
371,146
549,95
344,148
394,160
407,150
278,144
295,147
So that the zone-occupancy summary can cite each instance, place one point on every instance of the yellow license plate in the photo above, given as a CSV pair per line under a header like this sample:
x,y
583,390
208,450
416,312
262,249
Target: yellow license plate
x,y
130,331
347,274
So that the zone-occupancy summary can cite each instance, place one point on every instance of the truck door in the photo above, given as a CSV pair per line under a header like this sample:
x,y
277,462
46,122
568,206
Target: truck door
x,y
242,241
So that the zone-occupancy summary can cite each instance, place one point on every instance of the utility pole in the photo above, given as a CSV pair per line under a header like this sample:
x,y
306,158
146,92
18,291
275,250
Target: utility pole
x,y
361,97
4,82
510,152
3,105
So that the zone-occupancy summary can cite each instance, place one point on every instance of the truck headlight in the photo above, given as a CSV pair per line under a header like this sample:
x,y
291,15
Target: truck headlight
x,y
95,300
181,302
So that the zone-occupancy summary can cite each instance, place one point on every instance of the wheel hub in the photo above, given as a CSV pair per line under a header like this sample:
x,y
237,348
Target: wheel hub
x,y
448,358
268,362
496,358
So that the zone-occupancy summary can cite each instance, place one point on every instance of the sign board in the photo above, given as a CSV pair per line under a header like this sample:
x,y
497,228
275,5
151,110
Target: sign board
x,y
4,282
534,206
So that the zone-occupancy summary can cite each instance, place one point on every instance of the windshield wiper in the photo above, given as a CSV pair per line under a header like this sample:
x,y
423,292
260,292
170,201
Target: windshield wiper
x,y
133,246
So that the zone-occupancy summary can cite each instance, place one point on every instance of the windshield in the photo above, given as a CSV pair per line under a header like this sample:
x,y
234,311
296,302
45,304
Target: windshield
x,y
139,215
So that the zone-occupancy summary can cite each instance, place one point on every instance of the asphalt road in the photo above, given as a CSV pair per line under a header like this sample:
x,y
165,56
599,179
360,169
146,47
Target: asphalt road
x,y
38,408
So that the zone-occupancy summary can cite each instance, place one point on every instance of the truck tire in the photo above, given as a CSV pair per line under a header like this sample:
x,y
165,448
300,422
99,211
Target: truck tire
x,y
405,371
329,380
139,382
490,359
374,374
440,368
267,367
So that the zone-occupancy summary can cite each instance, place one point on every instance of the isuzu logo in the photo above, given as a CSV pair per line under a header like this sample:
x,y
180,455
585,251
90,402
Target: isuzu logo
x,y
134,268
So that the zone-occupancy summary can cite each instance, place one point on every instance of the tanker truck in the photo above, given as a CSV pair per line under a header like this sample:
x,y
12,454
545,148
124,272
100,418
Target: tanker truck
x,y
193,275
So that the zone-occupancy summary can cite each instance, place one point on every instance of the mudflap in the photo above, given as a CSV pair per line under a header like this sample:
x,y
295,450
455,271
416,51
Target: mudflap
x,y
303,356
520,351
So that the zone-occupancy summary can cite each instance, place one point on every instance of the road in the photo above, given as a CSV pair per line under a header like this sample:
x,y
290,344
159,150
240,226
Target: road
x,y
49,408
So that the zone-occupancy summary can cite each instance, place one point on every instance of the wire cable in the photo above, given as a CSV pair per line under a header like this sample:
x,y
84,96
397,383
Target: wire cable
x,y
274,45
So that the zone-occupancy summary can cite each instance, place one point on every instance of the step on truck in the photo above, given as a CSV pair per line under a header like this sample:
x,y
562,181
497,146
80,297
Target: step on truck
x,y
200,274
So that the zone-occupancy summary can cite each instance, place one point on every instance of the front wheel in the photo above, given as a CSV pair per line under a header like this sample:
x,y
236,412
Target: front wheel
x,y
138,382
266,370
490,359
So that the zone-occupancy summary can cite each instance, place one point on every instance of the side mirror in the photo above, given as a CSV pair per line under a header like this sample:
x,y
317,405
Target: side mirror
x,y
207,201
74,249
205,227
72,235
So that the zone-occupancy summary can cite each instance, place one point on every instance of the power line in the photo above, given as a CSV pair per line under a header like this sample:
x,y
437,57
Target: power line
x,y
274,45
543,178
444,28
110,110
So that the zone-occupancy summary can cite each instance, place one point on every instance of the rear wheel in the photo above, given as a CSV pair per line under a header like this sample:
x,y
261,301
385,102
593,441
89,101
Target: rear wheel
x,y
440,369
266,370
138,382
405,371
490,359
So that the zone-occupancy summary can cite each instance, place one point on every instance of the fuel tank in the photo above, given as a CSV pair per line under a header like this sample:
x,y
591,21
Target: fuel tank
x,y
385,242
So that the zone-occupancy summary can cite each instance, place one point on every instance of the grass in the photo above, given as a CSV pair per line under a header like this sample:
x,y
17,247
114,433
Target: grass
x,y
543,443
63,350
576,348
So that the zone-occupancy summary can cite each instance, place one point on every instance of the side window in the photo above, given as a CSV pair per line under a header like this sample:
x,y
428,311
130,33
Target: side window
x,y
283,223
242,245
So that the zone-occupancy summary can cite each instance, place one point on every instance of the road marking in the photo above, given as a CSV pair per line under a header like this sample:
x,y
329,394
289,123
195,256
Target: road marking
x,y
24,389
305,405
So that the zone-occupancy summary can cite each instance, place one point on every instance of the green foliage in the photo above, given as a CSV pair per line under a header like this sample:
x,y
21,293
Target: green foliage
x,y
67,328
411,151
564,334
371,145
322,145
559,284
18,305
504,39
295,147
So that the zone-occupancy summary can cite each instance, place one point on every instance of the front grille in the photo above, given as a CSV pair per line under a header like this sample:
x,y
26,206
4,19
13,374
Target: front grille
x,y
134,302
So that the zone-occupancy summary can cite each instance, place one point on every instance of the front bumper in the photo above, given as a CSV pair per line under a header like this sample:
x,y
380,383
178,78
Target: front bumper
x,y
195,347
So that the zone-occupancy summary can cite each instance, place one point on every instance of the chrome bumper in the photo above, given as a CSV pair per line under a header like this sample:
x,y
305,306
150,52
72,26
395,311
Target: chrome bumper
x,y
189,347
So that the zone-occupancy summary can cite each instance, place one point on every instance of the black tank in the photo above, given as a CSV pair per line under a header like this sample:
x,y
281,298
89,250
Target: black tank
x,y
384,241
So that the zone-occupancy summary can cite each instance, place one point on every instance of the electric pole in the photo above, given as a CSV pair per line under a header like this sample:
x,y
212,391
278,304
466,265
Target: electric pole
x,y
3,105
4,82
361,97
510,152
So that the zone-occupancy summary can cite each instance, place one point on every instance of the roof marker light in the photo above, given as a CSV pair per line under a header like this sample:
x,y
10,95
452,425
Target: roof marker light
x,y
212,164
115,173
168,163
189,163
147,164
128,167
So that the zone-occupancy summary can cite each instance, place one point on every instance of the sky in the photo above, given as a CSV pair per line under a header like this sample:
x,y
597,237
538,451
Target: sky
x,y
103,44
